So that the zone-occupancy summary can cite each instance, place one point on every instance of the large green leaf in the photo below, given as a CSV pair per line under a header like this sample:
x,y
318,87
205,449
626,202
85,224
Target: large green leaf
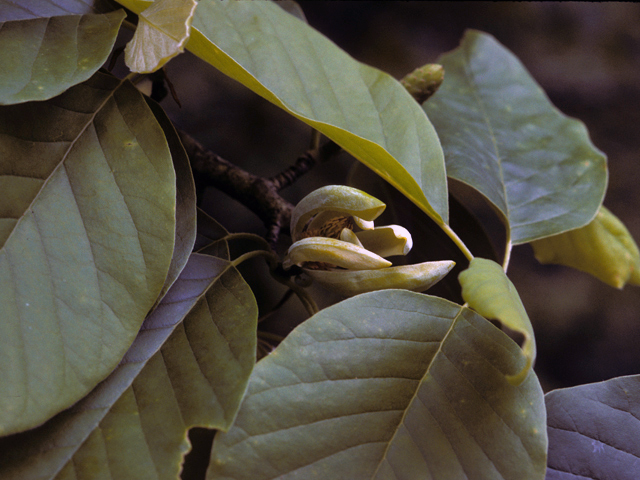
x,y
47,47
594,431
87,225
502,136
31,455
134,424
363,109
486,288
390,384
604,248
185,234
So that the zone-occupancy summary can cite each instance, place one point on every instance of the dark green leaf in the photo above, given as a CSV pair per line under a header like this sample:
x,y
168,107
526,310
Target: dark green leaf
x,y
87,226
390,384
502,136
133,425
47,47
185,236
594,431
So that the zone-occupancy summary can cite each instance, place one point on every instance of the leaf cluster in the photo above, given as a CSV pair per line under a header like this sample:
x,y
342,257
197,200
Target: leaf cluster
x,y
125,322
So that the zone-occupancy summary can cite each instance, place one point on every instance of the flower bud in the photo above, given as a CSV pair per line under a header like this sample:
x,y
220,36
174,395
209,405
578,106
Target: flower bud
x,y
334,199
351,262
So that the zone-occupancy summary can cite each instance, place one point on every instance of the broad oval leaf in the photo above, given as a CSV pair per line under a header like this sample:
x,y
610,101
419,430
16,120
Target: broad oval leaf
x,y
87,220
185,231
162,32
604,248
362,109
137,418
503,137
486,288
385,385
47,47
594,430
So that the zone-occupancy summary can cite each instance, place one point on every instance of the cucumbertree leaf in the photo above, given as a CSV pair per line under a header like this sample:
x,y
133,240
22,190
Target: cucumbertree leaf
x,y
87,226
47,47
604,248
133,425
33,454
185,235
503,137
594,431
486,288
362,109
162,32
385,385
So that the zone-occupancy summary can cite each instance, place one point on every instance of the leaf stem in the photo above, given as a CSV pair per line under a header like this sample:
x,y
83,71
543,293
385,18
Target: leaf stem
x,y
270,257
247,236
507,254
309,304
270,336
314,143
459,243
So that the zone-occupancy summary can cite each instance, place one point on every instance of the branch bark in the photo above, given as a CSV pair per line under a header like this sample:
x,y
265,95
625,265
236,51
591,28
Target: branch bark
x,y
258,194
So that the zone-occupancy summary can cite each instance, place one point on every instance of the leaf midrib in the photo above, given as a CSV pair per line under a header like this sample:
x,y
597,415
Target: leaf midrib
x,y
63,159
469,74
415,394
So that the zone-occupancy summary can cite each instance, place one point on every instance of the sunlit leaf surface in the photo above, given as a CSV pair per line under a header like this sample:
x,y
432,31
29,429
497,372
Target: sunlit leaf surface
x,y
49,46
134,424
487,290
594,431
162,32
390,384
363,109
604,248
87,226
502,136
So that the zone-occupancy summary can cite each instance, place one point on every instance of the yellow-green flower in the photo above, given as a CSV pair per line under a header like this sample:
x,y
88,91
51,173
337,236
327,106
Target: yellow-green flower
x,y
338,246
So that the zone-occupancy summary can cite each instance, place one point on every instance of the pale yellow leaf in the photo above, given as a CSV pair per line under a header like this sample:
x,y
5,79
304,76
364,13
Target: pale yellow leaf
x,y
163,30
604,248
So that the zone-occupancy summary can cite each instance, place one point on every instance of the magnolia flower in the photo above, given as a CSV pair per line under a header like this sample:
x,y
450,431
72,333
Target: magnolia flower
x,y
338,246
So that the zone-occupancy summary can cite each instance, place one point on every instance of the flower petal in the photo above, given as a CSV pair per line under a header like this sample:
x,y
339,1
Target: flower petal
x,y
335,252
387,241
363,224
418,278
348,236
335,198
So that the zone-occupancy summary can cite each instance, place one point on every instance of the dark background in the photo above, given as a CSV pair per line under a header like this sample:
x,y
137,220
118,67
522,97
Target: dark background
x,y
586,56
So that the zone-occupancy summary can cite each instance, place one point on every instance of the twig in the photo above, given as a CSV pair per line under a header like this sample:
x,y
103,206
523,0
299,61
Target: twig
x,y
258,194
304,163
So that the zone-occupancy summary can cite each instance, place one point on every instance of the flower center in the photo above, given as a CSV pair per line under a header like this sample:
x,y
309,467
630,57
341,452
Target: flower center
x,y
331,228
